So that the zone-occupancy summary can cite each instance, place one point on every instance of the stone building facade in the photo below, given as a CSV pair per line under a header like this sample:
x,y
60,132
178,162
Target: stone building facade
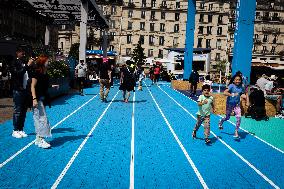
x,y
161,24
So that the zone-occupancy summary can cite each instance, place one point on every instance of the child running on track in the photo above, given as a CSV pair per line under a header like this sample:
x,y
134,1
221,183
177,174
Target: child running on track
x,y
234,92
205,104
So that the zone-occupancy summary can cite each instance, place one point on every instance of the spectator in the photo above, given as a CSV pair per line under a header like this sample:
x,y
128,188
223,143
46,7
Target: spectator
x,y
105,79
269,87
193,79
81,73
127,82
20,71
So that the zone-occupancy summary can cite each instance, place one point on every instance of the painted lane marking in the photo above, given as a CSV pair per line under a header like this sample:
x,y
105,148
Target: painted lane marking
x,y
274,147
228,146
201,180
131,185
28,145
62,174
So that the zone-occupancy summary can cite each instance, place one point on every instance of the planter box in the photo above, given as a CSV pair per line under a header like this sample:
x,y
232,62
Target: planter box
x,y
220,105
183,85
63,86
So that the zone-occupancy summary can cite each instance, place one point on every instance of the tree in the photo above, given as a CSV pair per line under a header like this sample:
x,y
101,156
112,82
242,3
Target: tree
x,y
221,66
138,55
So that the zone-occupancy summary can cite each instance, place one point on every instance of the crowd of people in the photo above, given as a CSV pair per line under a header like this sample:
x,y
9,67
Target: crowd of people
x,y
31,82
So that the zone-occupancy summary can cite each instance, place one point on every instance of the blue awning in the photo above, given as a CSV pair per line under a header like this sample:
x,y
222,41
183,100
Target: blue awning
x,y
100,52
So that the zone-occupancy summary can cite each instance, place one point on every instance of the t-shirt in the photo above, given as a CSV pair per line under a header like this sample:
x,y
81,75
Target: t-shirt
x,y
205,109
104,68
157,70
235,100
261,82
82,69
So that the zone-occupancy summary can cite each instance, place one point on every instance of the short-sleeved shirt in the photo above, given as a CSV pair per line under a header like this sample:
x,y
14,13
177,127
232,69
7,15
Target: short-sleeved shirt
x,y
104,68
261,82
82,69
205,109
235,100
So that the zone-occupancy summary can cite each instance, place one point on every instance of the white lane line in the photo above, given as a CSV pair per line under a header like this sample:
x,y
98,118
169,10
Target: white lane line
x,y
62,174
28,145
228,146
131,185
274,147
201,180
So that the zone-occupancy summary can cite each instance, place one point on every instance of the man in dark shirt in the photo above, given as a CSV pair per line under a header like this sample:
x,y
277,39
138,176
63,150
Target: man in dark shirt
x,y
20,75
193,80
105,79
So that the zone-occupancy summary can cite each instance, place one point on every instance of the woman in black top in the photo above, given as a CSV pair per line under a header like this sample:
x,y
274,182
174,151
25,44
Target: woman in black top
x,y
39,89
127,82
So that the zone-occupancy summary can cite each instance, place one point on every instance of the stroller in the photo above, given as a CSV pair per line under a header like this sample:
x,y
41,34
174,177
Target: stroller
x,y
256,110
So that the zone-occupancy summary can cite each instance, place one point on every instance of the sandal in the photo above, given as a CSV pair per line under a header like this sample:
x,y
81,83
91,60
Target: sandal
x,y
207,140
194,134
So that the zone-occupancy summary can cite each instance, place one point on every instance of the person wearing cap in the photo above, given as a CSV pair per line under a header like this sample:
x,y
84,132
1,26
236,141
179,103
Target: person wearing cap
x,y
80,74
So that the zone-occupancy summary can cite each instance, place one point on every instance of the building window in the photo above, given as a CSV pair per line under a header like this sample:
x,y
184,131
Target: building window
x,y
130,13
208,43
161,40
274,40
129,39
129,27
128,51
164,4
231,36
142,14
255,36
265,38
111,48
175,41
141,39
220,19
210,18
163,15
209,29
152,15
219,31
177,5
199,43
112,23
143,3
210,7
150,52
218,57
200,30
201,18
160,55
153,3
152,27
113,10
176,28
201,5
162,27
272,50
264,49
151,40
219,44
176,16
142,25
112,34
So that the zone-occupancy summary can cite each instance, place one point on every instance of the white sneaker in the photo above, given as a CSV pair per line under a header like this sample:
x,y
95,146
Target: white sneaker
x,y
17,134
23,134
43,144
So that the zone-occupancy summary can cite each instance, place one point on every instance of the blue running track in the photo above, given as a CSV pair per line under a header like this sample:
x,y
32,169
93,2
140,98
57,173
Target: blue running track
x,y
145,143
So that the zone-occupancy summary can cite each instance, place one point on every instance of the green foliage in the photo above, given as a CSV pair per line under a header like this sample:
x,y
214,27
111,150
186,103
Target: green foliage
x,y
58,69
221,65
74,51
138,55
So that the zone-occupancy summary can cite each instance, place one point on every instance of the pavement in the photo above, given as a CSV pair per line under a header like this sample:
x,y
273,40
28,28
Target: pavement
x,y
145,143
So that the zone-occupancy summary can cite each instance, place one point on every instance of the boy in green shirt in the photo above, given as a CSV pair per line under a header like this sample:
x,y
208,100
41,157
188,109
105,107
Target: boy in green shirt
x,y
205,104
